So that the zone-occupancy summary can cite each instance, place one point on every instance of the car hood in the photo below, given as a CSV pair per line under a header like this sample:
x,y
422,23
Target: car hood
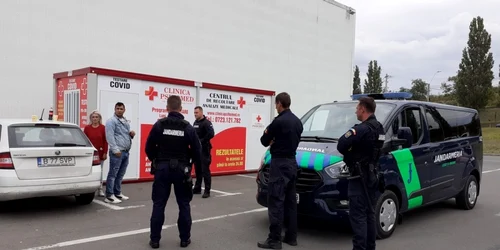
x,y
313,155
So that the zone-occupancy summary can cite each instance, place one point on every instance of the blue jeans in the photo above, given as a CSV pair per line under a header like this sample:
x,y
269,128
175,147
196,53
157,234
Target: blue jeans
x,y
117,169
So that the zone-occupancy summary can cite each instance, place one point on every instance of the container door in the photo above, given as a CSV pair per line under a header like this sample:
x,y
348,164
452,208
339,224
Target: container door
x,y
107,101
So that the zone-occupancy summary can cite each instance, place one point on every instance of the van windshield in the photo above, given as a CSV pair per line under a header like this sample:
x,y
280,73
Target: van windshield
x,y
334,119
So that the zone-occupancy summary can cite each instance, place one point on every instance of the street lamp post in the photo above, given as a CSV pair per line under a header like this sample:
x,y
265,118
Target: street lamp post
x,y
429,86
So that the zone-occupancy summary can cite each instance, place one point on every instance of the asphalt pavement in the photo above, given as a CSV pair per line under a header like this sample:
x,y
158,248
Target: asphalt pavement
x,y
231,219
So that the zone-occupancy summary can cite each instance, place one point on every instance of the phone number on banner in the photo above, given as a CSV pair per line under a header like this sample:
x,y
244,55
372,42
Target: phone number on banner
x,y
222,119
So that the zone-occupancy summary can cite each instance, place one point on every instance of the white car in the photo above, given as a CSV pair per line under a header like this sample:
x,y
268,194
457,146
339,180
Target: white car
x,y
47,158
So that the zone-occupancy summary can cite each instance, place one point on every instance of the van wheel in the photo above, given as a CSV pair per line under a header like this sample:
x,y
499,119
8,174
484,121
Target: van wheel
x,y
467,198
386,214
84,199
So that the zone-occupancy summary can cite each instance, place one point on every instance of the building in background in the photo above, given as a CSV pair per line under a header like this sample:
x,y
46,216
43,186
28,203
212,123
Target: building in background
x,y
303,47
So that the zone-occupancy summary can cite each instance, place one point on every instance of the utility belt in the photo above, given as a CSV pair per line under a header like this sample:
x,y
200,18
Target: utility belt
x,y
371,176
173,165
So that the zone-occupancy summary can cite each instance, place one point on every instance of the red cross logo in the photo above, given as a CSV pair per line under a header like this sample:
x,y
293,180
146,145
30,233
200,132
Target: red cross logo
x,y
60,88
241,102
151,92
83,87
259,118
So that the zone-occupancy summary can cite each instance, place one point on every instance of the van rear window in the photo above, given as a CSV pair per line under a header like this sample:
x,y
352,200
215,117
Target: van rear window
x,y
46,135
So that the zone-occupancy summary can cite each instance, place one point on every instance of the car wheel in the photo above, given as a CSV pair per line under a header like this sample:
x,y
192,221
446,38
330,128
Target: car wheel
x,y
467,198
85,199
386,214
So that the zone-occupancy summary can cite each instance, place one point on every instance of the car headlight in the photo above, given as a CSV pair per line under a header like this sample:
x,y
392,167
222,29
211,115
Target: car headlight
x,y
336,170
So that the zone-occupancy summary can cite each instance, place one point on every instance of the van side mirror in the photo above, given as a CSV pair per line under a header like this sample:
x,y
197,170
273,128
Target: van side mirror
x,y
405,138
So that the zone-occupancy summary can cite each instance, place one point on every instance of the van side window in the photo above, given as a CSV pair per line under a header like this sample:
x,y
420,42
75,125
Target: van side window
x,y
412,118
461,123
435,128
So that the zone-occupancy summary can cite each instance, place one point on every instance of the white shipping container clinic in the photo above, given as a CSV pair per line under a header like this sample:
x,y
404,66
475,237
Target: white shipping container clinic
x,y
303,47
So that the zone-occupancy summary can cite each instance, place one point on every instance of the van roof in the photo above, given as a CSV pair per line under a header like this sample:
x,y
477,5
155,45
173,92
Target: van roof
x,y
399,103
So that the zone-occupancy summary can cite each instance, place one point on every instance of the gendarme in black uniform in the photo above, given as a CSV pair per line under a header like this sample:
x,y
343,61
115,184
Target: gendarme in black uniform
x,y
285,130
171,145
205,131
360,145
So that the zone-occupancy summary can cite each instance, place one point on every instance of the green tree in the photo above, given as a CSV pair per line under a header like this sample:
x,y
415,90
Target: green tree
x,y
475,74
418,90
374,82
449,88
356,82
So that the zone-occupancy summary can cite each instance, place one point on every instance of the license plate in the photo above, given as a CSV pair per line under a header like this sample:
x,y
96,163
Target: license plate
x,y
56,161
297,195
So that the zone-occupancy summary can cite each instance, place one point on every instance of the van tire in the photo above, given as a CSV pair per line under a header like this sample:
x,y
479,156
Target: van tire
x,y
84,199
467,198
387,200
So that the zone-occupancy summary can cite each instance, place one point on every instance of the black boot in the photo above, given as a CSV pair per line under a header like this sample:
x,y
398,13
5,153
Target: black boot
x,y
154,244
206,194
289,241
197,190
269,244
185,243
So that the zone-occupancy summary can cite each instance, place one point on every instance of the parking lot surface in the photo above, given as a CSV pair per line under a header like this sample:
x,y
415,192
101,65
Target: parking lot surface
x,y
231,219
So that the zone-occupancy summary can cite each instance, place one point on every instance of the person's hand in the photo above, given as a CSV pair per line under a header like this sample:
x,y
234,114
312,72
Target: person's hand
x,y
271,143
118,154
132,133
104,157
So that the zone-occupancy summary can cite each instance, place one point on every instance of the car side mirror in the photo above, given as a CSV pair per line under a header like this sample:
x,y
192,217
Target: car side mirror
x,y
405,138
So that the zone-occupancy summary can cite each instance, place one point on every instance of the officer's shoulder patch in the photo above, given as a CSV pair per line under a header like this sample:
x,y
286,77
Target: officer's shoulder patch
x,y
353,131
348,134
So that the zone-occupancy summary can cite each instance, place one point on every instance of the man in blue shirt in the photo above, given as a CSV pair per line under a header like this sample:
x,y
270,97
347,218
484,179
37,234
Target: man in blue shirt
x,y
119,137
172,146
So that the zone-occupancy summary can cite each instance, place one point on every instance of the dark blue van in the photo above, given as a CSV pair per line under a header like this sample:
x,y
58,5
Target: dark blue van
x,y
433,152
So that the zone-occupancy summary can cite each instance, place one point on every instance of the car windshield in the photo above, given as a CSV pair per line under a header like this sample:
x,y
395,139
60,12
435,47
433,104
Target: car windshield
x,y
42,135
333,120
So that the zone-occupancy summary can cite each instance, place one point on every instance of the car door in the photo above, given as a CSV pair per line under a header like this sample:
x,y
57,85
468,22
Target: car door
x,y
413,162
446,149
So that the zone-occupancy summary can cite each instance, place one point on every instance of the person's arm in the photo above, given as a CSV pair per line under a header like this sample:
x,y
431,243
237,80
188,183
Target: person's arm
x,y
151,147
269,133
209,131
194,143
105,142
110,136
350,138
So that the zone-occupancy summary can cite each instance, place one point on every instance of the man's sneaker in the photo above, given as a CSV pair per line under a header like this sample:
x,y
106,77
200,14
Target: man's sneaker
x,y
122,197
112,199
206,194
101,192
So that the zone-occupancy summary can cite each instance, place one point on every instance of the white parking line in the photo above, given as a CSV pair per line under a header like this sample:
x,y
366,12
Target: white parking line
x,y
222,192
135,232
491,171
114,207
247,176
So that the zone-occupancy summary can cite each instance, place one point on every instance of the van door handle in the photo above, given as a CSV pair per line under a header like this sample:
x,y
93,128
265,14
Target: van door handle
x,y
425,150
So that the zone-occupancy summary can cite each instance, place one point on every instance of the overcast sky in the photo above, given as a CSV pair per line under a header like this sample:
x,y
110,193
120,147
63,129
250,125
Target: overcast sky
x,y
415,38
